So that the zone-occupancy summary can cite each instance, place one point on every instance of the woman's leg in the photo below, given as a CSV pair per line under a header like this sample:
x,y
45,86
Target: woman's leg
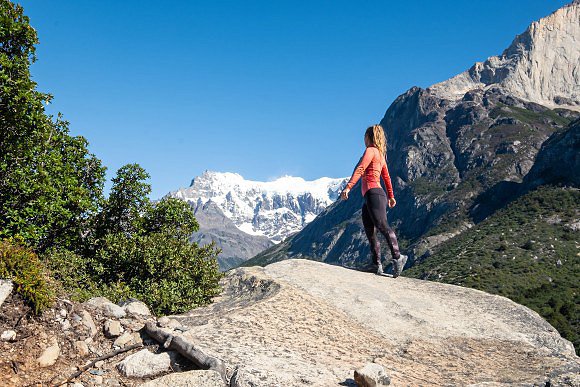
x,y
371,234
377,208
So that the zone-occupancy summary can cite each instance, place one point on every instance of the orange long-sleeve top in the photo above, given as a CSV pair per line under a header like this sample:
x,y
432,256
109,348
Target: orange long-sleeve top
x,y
371,167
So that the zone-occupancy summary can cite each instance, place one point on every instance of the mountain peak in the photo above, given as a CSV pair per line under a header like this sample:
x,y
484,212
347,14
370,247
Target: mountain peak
x,y
274,208
541,65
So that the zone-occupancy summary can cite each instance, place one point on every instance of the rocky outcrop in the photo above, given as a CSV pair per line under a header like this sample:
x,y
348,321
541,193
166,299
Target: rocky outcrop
x,y
302,322
542,65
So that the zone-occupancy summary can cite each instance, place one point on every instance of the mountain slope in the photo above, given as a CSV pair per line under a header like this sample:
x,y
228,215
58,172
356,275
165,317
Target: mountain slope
x,y
236,245
528,252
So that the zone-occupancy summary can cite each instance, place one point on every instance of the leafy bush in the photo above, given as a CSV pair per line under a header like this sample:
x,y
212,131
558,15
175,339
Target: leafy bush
x,y
143,253
170,274
23,267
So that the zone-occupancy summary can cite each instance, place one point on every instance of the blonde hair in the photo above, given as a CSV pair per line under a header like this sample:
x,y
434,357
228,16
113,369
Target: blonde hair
x,y
376,136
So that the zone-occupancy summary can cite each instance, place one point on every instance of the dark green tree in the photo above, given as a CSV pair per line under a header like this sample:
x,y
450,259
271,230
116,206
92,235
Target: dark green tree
x,y
49,182
127,201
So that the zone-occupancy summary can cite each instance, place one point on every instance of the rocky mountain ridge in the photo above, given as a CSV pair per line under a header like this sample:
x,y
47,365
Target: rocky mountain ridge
x,y
245,217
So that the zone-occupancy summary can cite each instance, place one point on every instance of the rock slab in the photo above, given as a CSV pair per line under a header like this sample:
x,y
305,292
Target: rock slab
x,y
300,322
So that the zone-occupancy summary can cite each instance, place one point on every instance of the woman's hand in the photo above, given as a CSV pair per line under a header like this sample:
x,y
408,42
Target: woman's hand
x,y
392,202
344,194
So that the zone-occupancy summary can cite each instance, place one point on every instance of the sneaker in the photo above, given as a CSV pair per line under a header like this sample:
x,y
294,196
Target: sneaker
x,y
380,269
398,265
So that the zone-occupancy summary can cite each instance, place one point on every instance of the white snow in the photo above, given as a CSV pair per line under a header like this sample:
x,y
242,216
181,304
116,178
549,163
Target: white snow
x,y
275,208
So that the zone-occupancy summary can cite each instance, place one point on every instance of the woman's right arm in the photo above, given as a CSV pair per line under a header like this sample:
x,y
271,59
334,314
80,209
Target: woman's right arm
x,y
360,168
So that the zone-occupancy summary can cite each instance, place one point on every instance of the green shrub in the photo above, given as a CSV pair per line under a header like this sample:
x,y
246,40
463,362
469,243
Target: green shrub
x,y
170,274
24,268
155,263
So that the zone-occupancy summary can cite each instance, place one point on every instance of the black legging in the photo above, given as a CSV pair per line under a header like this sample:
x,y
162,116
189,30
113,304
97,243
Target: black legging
x,y
374,214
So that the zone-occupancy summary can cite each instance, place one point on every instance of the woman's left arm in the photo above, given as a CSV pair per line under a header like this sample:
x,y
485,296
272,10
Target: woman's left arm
x,y
387,179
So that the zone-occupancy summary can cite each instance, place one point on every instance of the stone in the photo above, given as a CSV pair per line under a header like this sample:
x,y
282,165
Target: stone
x,y
133,324
99,364
166,322
82,348
371,375
6,287
163,322
88,322
136,308
49,355
122,340
112,328
8,335
65,325
98,379
197,378
144,364
107,307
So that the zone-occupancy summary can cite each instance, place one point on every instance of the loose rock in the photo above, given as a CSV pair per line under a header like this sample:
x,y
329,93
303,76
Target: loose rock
x,y
371,375
107,307
122,340
113,328
82,348
136,308
9,335
49,356
144,364
88,322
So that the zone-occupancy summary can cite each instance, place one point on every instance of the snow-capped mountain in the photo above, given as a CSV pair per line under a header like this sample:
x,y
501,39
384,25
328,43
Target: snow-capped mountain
x,y
275,209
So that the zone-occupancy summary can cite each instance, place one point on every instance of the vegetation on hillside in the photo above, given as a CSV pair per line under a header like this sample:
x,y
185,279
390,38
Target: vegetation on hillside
x,y
52,206
528,252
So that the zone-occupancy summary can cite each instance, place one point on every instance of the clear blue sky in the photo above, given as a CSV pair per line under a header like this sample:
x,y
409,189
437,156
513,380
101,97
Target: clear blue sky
x,y
261,88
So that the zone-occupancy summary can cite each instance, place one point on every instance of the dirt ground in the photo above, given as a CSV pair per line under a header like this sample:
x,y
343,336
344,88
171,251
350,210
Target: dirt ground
x,y
34,333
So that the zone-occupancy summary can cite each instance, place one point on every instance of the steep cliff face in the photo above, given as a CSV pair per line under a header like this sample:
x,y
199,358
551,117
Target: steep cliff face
x,y
454,142
542,65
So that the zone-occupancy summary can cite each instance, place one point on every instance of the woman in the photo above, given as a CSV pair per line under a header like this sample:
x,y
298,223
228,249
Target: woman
x,y
371,167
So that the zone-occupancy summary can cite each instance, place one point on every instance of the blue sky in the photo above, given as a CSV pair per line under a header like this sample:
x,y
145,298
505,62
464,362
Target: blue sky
x,y
261,88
